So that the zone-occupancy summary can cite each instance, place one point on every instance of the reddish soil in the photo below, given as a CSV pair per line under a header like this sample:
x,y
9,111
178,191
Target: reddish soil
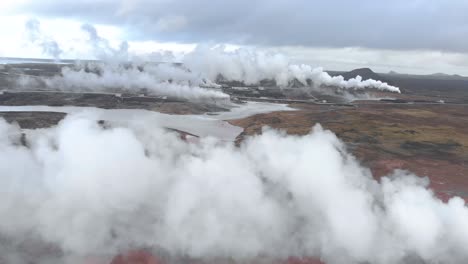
x,y
428,140
143,257
136,257
447,179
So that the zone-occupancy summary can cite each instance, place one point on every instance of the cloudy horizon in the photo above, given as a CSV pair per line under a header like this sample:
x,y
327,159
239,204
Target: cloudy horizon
x,y
415,36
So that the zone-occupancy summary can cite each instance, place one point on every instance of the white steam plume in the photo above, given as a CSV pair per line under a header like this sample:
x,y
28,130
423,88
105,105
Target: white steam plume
x,y
201,67
115,73
101,47
156,79
49,46
87,190
251,67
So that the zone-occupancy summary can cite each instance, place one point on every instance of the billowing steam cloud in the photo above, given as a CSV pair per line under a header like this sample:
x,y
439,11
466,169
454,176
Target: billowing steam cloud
x,y
274,196
49,46
154,79
252,66
203,66
101,47
115,73
159,79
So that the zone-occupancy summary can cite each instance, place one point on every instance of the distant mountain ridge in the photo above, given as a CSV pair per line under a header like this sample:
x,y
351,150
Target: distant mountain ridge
x,y
367,73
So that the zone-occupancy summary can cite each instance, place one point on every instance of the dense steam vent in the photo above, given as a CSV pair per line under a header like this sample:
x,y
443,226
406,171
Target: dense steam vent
x,y
275,196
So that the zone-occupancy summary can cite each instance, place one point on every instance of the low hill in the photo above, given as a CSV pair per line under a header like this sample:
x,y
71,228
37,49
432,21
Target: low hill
x,y
365,73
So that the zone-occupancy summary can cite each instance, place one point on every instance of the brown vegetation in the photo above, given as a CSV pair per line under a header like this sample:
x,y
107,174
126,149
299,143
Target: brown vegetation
x,y
429,140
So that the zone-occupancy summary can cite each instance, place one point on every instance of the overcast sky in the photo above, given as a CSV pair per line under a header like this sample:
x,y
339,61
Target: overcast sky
x,y
420,36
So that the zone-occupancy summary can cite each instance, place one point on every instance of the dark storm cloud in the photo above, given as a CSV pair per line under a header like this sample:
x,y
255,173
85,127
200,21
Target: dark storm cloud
x,y
398,24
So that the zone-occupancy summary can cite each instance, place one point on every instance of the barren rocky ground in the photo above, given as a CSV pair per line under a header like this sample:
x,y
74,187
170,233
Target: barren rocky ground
x,y
428,140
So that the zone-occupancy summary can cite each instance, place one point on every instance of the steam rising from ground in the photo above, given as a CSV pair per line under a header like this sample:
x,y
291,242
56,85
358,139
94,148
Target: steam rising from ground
x,y
202,67
275,196
102,48
251,67
115,73
156,79
35,35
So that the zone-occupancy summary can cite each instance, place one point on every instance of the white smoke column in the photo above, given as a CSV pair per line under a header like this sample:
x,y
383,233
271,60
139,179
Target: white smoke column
x,y
88,190
202,67
252,66
101,47
109,77
156,79
115,73
35,35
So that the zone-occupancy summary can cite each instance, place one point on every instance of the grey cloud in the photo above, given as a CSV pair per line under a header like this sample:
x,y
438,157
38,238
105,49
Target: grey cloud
x,y
399,24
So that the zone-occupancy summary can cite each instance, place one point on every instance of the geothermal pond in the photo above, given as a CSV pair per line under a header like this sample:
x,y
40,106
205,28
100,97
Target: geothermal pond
x,y
207,125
